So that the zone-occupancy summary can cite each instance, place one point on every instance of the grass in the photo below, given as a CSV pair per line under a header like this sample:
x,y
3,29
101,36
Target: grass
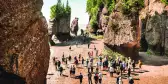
x,y
112,55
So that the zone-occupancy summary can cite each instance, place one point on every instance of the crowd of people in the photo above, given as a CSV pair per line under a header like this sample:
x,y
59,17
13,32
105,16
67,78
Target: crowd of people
x,y
115,66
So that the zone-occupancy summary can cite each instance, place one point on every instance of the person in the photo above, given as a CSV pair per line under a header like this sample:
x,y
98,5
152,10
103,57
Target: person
x,y
129,72
87,62
66,62
140,64
90,78
56,64
70,48
96,78
83,61
121,68
100,77
80,78
91,69
71,72
97,52
73,69
63,57
111,70
59,63
79,57
69,57
61,70
88,45
53,59
117,80
94,47
131,81
133,65
120,80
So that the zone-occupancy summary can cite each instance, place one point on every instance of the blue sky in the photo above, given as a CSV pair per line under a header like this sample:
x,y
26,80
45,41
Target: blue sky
x,y
78,8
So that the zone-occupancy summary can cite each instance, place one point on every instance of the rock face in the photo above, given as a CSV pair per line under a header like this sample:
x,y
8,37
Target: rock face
x,y
155,18
24,44
60,28
74,26
121,32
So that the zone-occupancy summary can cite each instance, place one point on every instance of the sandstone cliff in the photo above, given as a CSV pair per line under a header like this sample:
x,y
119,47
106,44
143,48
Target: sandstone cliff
x,y
60,28
24,45
74,26
154,23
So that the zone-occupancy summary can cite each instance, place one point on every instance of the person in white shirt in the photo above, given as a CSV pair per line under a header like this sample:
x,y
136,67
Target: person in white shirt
x,y
100,77
111,70
120,80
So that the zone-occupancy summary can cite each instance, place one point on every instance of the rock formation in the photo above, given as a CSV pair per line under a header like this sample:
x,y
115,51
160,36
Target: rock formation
x,y
74,26
155,17
24,44
60,28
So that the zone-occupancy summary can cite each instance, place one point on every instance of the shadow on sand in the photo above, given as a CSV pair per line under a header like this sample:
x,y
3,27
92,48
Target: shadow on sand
x,y
153,60
78,40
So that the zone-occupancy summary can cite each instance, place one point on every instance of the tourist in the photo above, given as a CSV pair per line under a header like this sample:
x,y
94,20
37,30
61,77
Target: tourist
x,y
121,68
133,65
87,62
61,70
94,47
79,57
91,69
117,80
71,71
63,57
70,48
69,57
80,78
129,72
59,63
53,59
66,62
131,81
83,61
97,52
139,64
120,80
97,70
100,77
56,64
111,70
96,78
90,78
88,45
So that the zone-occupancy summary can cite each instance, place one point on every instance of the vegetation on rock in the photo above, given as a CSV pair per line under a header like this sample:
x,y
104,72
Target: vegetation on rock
x,y
165,1
59,10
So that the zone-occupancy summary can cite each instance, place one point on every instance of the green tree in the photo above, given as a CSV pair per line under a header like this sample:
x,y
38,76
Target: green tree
x,y
165,1
59,10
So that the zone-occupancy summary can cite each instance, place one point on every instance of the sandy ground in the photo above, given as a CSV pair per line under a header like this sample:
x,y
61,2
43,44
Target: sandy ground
x,y
154,71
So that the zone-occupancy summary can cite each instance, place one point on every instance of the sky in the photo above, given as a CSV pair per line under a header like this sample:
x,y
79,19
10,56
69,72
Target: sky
x,y
78,9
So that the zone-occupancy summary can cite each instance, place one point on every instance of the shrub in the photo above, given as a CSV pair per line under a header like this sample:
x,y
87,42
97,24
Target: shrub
x,y
165,1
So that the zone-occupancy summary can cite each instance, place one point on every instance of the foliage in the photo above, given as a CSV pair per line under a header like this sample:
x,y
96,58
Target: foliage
x,y
130,6
149,52
165,1
59,10
111,54
97,37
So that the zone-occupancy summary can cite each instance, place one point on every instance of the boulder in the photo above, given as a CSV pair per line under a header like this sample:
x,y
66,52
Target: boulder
x,y
60,28
24,44
74,26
